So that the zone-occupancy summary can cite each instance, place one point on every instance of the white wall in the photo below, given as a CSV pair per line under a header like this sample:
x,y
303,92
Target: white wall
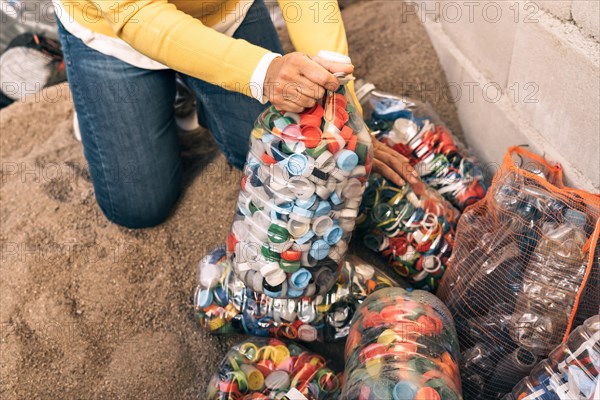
x,y
523,73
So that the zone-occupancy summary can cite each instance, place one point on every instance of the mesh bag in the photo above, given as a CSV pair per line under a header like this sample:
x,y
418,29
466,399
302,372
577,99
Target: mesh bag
x,y
414,232
262,368
225,305
413,129
524,271
402,345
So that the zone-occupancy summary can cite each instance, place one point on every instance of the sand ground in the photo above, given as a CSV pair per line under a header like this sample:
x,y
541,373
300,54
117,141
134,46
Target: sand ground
x,y
89,310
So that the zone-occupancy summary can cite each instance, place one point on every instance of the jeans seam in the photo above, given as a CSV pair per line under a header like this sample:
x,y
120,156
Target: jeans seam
x,y
92,133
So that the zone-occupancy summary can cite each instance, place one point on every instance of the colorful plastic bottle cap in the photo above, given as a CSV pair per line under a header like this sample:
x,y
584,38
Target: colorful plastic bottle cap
x,y
296,164
308,203
308,261
271,291
432,264
269,267
323,192
319,249
254,377
278,233
323,208
427,393
289,266
318,176
301,187
204,298
325,162
268,253
307,333
303,212
281,247
256,281
298,228
304,239
294,253
210,275
333,235
346,160
292,132
276,278
300,279
311,133
335,199
294,293
353,189
321,225
404,390
278,380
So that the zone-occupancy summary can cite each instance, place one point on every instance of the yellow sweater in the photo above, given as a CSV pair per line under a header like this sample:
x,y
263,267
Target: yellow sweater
x,y
178,34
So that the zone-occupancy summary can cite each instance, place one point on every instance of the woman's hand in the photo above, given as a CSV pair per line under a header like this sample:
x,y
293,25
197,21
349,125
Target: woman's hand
x,y
295,81
395,167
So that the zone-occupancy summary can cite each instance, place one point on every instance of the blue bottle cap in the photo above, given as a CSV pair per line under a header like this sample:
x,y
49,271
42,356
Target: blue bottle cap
x,y
333,235
335,199
323,208
308,203
296,164
300,279
319,250
204,299
404,391
293,293
305,212
305,238
346,160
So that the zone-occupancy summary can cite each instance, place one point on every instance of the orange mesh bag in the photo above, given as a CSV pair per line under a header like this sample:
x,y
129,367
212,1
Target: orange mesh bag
x,y
523,274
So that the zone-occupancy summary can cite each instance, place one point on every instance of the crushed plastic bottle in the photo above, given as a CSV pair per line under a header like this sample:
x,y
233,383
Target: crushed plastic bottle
x,y
550,284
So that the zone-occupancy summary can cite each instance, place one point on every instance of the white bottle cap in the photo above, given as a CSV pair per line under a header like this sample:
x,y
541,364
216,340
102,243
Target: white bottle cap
x,y
334,57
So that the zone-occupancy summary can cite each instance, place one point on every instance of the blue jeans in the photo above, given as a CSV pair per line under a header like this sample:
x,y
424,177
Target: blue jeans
x,y
128,128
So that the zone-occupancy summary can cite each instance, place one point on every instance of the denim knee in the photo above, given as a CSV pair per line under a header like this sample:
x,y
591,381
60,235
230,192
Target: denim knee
x,y
149,212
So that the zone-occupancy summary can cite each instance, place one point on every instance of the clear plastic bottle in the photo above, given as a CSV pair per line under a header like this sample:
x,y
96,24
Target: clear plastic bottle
x,y
550,284
303,183
570,372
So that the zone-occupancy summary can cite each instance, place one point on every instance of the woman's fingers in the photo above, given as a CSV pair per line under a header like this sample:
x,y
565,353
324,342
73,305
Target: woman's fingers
x,y
387,172
399,163
333,66
395,167
298,80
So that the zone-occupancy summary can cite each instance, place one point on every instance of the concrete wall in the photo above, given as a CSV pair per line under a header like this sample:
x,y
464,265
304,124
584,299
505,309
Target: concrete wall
x,y
523,73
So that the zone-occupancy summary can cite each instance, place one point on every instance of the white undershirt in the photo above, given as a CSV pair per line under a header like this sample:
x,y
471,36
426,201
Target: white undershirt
x,y
118,48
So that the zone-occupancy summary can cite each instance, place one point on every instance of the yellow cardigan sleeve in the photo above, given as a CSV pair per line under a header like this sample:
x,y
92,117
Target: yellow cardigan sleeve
x,y
315,25
157,29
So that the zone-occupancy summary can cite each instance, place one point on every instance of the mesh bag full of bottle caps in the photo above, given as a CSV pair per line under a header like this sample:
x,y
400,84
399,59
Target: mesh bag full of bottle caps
x,y
413,129
262,368
303,182
402,346
413,230
225,305
523,274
